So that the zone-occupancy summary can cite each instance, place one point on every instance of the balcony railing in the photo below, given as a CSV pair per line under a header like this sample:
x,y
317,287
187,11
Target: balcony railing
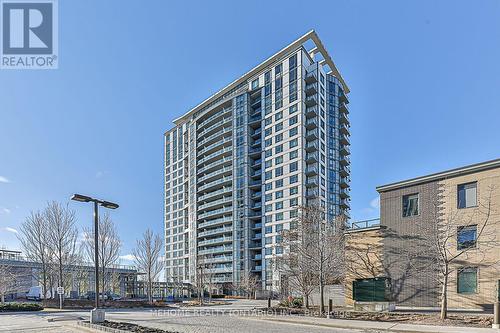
x,y
222,201
214,116
364,224
216,212
215,231
215,163
312,146
216,250
215,193
210,223
311,111
221,123
311,77
219,152
215,173
215,240
311,100
215,135
215,183
218,143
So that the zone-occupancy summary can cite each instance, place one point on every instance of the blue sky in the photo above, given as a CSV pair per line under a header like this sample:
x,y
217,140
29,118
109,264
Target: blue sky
x,y
424,79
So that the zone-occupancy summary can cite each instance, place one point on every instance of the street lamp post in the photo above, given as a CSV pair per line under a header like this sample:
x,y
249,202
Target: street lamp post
x,y
96,315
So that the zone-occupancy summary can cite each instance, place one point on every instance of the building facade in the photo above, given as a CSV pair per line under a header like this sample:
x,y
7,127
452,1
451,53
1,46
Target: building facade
x,y
455,213
238,166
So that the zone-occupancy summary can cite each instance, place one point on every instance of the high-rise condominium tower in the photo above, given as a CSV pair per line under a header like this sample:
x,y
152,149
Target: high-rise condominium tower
x,y
238,166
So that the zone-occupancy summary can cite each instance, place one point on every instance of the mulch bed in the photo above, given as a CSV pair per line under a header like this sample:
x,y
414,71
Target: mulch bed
x,y
132,327
399,317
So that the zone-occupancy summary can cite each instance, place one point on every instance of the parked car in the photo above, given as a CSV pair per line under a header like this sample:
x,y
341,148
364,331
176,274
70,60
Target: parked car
x,y
113,297
34,294
90,295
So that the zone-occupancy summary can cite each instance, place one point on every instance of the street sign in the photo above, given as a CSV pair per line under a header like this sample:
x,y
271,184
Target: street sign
x,y
60,290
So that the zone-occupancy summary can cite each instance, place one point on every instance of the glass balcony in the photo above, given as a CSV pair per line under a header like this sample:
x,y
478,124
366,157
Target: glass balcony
x,y
312,123
343,98
312,111
344,140
344,119
343,108
311,157
208,149
215,154
311,170
216,250
216,183
215,241
226,269
212,194
344,150
216,163
216,135
344,183
216,212
222,258
311,89
226,200
211,223
310,193
344,129
311,100
219,124
344,161
312,182
212,232
311,77
312,146
311,135
257,257
224,170
216,115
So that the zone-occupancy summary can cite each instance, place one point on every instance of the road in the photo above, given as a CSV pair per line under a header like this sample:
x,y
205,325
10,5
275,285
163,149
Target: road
x,y
234,317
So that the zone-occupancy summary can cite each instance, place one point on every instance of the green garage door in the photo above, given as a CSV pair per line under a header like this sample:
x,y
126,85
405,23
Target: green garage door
x,y
370,290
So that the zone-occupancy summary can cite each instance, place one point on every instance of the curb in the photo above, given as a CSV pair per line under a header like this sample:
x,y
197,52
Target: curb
x,y
100,328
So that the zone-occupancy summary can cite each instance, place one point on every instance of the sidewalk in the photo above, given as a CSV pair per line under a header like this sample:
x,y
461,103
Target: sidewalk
x,y
374,325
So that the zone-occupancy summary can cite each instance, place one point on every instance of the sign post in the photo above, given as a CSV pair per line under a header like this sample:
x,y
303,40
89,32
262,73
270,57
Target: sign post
x,y
60,292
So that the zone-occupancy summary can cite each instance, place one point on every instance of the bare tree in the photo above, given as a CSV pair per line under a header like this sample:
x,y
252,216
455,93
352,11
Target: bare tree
x,y
448,255
322,245
8,281
200,280
147,257
35,241
63,235
294,264
249,283
109,248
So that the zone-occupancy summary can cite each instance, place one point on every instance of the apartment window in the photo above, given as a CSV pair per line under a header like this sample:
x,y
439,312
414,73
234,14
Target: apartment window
x,y
278,127
268,131
278,149
279,195
269,240
279,183
278,137
294,179
279,217
294,131
268,142
466,237
268,121
269,251
278,172
294,154
269,218
410,205
279,205
277,69
467,280
294,202
269,197
269,208
269,153
269,186
467,195
279,250
278,160
269,175
294,143
294,166
269,164
255,84
278,116
292,61
293,120
292,109
269,229
294,190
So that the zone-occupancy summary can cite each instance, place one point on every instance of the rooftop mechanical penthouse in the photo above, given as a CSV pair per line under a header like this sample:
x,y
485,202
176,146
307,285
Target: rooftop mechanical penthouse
x,y
239,164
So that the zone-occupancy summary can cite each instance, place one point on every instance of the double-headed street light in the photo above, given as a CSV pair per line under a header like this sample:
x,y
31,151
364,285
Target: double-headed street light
x,y
105,204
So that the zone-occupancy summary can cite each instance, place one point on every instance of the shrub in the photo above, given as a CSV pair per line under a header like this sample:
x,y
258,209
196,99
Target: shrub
x,y
218,296
292,302
20,307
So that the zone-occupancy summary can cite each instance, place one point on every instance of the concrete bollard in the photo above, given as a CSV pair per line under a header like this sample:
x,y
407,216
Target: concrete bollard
x,y
330,308
496,315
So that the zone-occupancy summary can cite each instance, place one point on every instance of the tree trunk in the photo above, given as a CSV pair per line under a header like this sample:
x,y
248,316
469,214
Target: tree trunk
x,y
321,290
444,296
306,301
3,298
